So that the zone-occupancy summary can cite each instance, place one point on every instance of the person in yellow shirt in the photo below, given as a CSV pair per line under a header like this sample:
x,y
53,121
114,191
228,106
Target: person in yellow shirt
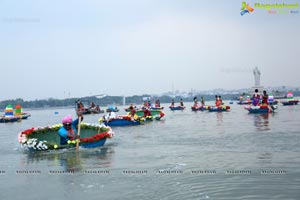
x,y
133,115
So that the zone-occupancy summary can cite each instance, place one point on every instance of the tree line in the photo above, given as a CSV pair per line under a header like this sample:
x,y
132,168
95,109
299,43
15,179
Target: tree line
x,y
117,100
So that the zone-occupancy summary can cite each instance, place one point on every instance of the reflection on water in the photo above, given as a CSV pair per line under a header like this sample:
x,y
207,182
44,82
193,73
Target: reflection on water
x,y
72,160
219,118
261,122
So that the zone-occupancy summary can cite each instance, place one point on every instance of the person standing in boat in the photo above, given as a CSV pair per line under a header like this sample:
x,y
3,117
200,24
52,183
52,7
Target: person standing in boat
x,y
218,101
255,98
172,103
69,129
265,102
221,101
202,102
195,102
157,103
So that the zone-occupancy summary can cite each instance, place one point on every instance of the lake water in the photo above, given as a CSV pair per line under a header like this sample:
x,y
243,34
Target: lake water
x,y
188,155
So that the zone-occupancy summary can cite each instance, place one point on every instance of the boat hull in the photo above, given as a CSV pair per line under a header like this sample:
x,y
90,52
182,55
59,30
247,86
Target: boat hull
x,y
121,122
290,103
9,119
177,108
219,109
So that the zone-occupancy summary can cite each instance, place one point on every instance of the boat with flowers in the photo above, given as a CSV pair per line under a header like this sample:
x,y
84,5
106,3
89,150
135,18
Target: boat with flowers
x,y
47,138
120,121
260,109
200,108
154,113
177,107
222,108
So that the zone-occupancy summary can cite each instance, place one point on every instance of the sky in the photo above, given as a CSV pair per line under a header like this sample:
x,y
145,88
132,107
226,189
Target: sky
x,y
63,48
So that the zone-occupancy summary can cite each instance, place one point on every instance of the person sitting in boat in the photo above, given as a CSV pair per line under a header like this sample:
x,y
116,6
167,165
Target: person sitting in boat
x,y
92,105
181,103
110,115
98,108
256,98
202,102
69,129
132,114
80,105
172,103
131,107
147,113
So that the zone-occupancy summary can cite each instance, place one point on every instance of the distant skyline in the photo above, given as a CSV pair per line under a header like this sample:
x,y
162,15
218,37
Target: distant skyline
x,y
64,49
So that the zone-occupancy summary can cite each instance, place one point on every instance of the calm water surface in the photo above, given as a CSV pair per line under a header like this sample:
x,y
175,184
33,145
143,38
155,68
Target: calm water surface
x,y
188,155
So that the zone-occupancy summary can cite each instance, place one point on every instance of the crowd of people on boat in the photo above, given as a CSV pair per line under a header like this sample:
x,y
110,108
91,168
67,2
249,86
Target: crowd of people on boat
x,y
258,100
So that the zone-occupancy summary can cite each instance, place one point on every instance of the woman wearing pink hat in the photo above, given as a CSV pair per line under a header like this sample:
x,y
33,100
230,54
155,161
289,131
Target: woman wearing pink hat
x,y
68,131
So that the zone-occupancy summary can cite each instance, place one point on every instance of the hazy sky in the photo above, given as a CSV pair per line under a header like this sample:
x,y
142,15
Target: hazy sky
x,y
64,48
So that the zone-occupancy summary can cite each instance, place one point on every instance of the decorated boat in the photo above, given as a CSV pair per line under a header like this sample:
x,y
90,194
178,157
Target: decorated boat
x,y
120,121
177,107
9,115
244,100
154,113
47,138
200,108
112,109
260,109
290,100
19,112
157,108
4,119
219,108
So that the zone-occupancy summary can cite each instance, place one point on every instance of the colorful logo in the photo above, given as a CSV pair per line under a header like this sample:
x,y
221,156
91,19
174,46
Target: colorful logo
x,y
246,8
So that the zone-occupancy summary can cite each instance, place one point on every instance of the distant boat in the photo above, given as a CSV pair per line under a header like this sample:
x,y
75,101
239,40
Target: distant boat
x,y
121,121
219,109
9,115
290,100
177,107
4,119
200,108
260,109
112,109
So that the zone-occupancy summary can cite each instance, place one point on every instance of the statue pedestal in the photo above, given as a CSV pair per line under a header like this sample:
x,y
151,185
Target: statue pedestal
x,y
260,89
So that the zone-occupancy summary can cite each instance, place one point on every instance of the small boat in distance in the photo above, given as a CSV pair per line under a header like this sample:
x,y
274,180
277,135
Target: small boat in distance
x,y
290,100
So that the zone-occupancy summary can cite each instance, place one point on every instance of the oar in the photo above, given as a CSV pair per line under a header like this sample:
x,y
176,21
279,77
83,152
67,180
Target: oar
x,y
78,133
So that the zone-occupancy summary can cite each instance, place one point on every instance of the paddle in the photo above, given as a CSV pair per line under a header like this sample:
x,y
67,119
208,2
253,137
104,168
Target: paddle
x,y
78,133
